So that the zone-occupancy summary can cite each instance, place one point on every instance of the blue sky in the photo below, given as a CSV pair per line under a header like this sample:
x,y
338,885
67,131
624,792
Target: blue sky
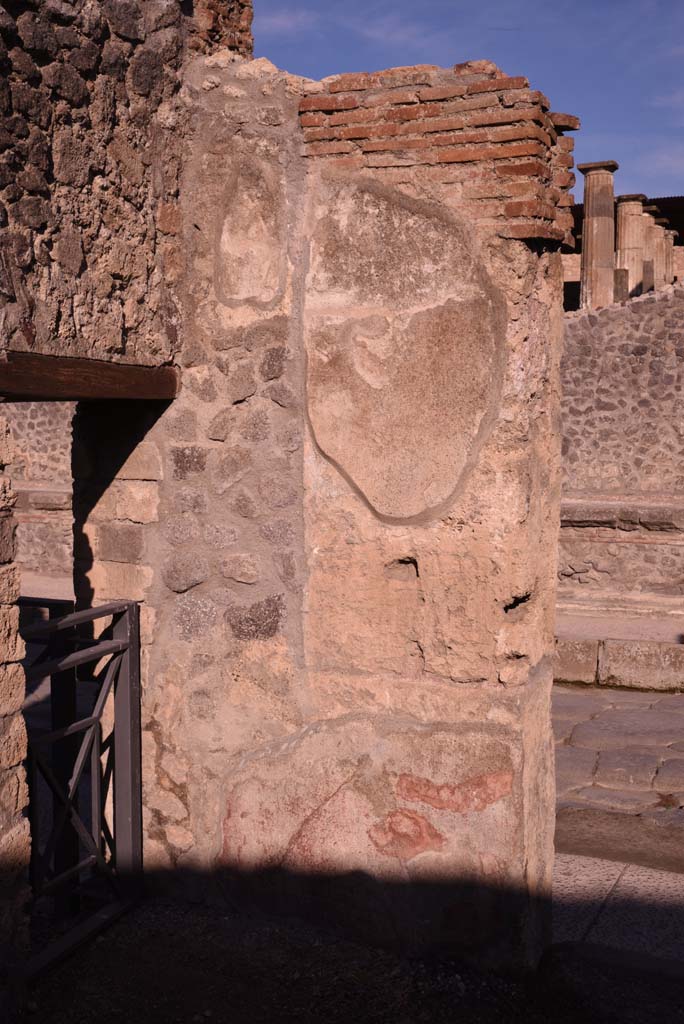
x,y
617,64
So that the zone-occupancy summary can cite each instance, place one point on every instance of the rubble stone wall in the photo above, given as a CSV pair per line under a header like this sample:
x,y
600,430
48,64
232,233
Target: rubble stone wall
x,y
89,166
41,477
623,453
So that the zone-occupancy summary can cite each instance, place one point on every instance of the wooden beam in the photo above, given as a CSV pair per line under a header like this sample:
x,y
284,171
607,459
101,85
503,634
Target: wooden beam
x,y
30,375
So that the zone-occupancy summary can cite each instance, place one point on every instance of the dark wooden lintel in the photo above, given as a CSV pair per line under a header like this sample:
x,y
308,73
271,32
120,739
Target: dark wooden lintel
x,y
30,375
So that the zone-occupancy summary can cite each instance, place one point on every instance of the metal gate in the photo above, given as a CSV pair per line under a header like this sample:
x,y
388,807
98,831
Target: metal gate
x,y
84,772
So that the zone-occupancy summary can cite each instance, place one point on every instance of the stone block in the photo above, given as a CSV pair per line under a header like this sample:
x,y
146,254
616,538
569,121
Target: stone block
x,y
15,849
625,769
50,501
148,623
9,584
629,801
7,538
624,729
576,661
188,460
134,501
240,568
574,768
642,664
12,741
12,688
144,463
119,542
13,796
119,581
184,570
11,644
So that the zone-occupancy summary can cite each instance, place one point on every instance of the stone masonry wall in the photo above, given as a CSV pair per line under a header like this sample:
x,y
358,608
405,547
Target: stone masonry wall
x,y
623,451
343,531
89,165
41,477
14,833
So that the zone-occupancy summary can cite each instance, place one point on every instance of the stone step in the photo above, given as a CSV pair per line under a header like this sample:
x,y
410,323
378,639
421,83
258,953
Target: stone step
x,y
653,837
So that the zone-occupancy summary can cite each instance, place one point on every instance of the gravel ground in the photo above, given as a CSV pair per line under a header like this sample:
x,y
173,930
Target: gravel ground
x,y
181,964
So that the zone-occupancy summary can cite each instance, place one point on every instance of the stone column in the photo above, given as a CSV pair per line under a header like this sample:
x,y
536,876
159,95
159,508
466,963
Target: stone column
x,y
598,246
660,266
670,270
649,248
630,240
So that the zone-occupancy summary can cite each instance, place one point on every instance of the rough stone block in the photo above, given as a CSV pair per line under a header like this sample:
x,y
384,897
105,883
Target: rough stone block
x,y
625,769
188,460
119,542
12,741
13,796
116,580
7,538
12,688
11,644
144,463
574,768
9,584
184,570
642,664
619,729
576,661
50,501
628,801
128,500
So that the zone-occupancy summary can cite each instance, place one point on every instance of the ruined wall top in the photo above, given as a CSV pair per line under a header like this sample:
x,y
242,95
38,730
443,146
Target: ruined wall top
x,y
482,140
90,149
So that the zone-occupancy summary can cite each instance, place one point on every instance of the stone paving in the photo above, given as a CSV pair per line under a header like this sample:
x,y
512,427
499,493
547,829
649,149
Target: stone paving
x,y
620,775
622,906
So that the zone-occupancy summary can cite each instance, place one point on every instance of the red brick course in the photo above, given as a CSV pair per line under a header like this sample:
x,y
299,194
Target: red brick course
x,y
516,162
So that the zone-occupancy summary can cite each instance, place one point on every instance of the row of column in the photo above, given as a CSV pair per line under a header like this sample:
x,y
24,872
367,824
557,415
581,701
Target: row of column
x,y
618,264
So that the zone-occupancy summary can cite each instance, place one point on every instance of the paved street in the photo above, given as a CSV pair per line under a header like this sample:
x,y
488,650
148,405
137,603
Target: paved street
x,y
620,775
624,906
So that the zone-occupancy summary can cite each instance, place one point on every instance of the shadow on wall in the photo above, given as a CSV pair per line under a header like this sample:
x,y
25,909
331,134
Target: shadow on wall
x,y
105,436
221,958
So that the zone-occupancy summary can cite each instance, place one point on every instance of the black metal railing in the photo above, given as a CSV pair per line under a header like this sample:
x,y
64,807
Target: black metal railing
x,y
84,768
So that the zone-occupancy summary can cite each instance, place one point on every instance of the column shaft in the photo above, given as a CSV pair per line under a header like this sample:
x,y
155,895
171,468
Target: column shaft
x,y
630,240
598,235
660,258
649,251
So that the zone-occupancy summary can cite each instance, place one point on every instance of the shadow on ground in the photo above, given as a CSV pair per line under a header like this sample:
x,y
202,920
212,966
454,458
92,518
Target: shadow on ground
x,y
212,956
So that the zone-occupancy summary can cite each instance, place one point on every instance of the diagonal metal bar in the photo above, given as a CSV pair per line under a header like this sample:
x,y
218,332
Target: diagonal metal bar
x,y
65,798
45,738
34,813
79,826
87,862
83,657
96,788
112,670
103,611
